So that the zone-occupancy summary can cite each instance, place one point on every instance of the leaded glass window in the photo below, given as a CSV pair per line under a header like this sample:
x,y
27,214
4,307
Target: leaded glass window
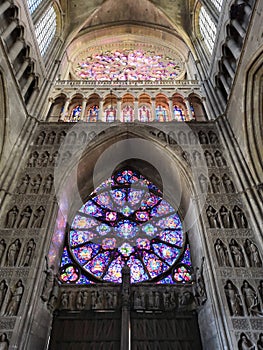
x,y
33,5
145,114
217,4
127,114
75,114
179,113
46,29
207,28
125,221
93,113
161,114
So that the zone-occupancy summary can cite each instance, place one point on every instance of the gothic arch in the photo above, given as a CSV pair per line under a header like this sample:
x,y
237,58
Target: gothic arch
x,y
2,113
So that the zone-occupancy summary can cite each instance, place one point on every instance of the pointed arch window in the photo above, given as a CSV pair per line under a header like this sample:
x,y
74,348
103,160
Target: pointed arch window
x,y
207,28
33,5
217,4
46,29
125,221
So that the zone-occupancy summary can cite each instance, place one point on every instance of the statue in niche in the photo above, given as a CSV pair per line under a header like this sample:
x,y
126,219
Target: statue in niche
x,y
244,343
11,217
251,299
186,157
43,161
15,300
237,254
167,300
64,300
82,138
240,218
36,183
252,253
2,249
226,217
215,182
162,136
3,290
32,160
53,160
61,137
51,138
4,343
200,290
65,157
93,299
203,182
40,138
182,138
150,299
192,138
110,299
28,254
49,281
209,159
203,138
79,301
38,217
197,158
25,217
138,298
71,138
260,342
156,299
172,138
186,299
220,160
52,301
22,188
228,184
221,253
213,137
12,253
233,299
260,290
212,216
47,187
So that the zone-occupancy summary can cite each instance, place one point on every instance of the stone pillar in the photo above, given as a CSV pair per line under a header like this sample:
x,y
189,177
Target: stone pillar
x,y
224,82
233,47
15,49
238,27
83,109
30,78
170,101
4,6
22,68
65,109
33,97
101,110
125,315
136,109
9,29
118,116
50,102
189,111
229,68
153,110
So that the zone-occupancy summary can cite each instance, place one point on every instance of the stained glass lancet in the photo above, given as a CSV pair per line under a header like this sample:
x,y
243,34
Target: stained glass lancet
x,y
217,4
207,28
46,29
126,221
33,5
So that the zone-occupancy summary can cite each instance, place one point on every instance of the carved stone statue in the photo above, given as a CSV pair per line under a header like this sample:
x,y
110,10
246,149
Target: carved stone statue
x,y
36,183
240,218
250,298
212,137
252,253
203,182
2,249
25,217
192,138
28,254
244,343
61,136
209,159
48,185
260,290
196,157
12,253
221,253
215,182
15,300
79,300
11,217
22,188
52,302
226,217
3,290
212,216
260,342
200,290
4,343
40,138
182,138
237,254
43,161
220,160
202,137
233,299
38,217
32,160
139,299
228,184
49,282
51,138
64,300
53,160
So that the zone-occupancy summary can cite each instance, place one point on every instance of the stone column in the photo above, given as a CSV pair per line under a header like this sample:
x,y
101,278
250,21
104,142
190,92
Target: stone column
x,y
22,68
65,109
189,111
125,314
238,27
30,78
101,110
4,6
118,117
83,109
170,101
136,109
15,49
33,97
224,82
233,47
153,109
45,115
229,68
9,29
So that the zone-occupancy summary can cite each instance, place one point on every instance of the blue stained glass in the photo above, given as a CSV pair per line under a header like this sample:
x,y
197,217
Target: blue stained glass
x,y
149,230
84,280
187,257
83,222
126,229
104,200
163,208
154,265
65,259
143,243
126,249
137,271
91,209
98,265
150,200
119,196
79,237
173,237
126,211
172,222
142,216
169,254
84,253
166,280
109,243
114,273
103,229
135,196
127,177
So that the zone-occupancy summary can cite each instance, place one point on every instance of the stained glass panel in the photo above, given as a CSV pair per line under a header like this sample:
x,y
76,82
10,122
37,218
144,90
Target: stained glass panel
x,y
126,221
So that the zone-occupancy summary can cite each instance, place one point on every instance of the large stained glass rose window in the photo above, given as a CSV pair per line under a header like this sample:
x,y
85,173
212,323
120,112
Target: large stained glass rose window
x,y
126,221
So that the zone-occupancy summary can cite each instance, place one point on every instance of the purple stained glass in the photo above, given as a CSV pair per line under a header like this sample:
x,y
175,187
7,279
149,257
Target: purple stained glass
x,y
126,211
138,273
97,266
119,196
150,230
163,208
166,280
83,222
126,229
126,249
171,222
104,200
103,229
142,216
172,237
79,237
114,273
65,259
154,265
150,200
84,280
83,254
91,209
135,196
182,274
169,254
143,243
109,243
111,216
187,257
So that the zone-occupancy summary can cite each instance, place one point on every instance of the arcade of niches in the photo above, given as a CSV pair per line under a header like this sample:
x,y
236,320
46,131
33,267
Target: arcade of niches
x,y
131,175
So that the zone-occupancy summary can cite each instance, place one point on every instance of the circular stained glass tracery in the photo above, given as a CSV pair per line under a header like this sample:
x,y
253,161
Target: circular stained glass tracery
x,y
126,221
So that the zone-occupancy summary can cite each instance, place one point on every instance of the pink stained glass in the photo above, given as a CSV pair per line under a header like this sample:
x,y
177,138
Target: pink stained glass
x,y
97,266
85,253
142,216
114,273
169,254
143,243
150,200
172,237
135,196
138,273
171,222
181,274
145,114
104,200
111,216
82,222
154,265
69,274
109,243
119,196
127,114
